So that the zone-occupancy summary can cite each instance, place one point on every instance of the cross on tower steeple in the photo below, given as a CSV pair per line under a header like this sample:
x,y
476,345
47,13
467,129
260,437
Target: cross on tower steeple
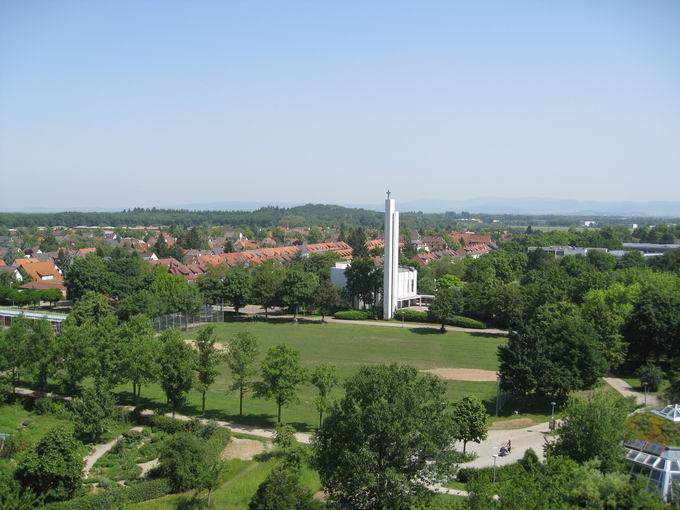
x,y
388,194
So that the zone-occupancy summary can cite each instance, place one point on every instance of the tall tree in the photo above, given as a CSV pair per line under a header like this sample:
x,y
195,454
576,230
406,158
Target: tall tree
x,y
374,448
555,353
241,357
363,277
176,363
74,354
282,373
266,283
91,413
16,348
207,359
42,351
448,302
471,419
357,241
237,287
298,288
327,299
140,347
324,379
88,273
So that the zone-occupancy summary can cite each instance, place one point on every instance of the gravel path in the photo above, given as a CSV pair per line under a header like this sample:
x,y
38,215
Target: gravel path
x,y
99,451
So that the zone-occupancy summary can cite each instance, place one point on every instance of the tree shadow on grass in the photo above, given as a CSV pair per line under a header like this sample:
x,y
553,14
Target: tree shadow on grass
x,y
484,335
427,331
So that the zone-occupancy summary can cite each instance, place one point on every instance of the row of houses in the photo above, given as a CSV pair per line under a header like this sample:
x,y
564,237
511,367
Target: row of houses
x,y
198,264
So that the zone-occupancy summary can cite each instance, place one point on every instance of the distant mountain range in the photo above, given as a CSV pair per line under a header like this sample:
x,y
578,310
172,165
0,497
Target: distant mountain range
x,y
488,205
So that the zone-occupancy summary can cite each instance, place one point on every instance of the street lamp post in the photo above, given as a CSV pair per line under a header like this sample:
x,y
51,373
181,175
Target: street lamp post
x,y
495,456
552,415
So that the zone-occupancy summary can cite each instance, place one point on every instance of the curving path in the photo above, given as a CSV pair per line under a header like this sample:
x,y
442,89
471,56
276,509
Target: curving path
x,y
627,390
99,451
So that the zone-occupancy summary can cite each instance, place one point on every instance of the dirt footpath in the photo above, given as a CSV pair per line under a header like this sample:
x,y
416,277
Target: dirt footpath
x,y
463,374
244,449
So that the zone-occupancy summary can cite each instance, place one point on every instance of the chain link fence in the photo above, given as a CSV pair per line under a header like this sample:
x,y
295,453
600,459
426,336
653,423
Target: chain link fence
x,y
205,315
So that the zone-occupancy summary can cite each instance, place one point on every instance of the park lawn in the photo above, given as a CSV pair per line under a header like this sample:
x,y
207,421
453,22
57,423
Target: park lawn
x,y
11,415
345,346
239,483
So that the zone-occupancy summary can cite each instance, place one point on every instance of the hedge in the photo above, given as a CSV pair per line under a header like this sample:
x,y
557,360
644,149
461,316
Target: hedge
x,y
409,315
353,315
117,496
466,322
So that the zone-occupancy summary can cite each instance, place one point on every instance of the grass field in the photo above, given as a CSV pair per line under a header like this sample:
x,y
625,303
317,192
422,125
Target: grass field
x,y
347,347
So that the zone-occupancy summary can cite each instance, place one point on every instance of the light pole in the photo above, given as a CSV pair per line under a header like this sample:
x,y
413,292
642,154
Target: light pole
x,y
552,416
495,456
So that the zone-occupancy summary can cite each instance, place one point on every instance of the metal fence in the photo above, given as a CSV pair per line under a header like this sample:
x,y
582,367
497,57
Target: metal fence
x,y
205,315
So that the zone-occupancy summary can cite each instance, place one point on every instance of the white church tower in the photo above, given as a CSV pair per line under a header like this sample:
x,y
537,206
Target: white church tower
x,y
391,259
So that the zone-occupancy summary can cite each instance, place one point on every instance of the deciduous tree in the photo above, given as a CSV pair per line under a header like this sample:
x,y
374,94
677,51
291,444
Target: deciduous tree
x,y
282,373
53,467
375,446
241,357
207,359
324,379
176,364
471,419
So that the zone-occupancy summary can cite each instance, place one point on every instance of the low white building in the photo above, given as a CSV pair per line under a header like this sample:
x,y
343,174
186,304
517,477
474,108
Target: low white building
x,y
406,291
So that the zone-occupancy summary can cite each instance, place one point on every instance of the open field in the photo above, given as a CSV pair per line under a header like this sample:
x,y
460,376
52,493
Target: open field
x,y
347,346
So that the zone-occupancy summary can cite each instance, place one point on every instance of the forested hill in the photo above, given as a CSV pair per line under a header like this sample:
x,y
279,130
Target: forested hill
x,y
305,215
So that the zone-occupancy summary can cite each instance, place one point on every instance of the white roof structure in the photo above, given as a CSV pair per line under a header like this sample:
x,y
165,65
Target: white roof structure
x,y
658,463
671,413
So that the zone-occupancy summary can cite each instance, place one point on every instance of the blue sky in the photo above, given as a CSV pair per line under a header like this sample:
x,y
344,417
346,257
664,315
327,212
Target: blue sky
x,y
134,102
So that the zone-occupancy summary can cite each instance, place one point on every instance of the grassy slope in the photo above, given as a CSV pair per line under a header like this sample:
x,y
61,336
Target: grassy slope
x,y
347,347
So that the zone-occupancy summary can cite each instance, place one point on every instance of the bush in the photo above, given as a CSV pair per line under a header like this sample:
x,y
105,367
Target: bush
x,y
43,406
411,315
465,322
353,315
14,445
117,496
650,374
167,424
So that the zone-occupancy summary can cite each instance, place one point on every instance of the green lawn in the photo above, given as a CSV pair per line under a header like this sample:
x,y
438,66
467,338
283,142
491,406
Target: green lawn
x,y
347,347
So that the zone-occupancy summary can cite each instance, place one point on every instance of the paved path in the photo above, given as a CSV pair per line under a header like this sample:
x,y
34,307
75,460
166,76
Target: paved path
x,y
626,390
99,451
533,437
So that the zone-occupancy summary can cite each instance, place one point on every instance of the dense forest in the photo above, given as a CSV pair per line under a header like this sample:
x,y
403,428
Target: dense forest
x,y
306,215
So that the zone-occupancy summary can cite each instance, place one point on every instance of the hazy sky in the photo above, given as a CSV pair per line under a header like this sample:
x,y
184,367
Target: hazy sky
x,y
123,103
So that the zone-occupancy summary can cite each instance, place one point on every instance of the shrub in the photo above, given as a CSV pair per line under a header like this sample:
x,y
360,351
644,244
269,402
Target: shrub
x,y
14,445
411,315
353,315
117,496
43,406
465,322
650,374
167,424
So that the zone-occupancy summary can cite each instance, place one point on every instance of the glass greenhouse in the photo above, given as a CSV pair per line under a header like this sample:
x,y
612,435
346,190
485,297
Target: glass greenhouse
x,y
671,413
661,464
